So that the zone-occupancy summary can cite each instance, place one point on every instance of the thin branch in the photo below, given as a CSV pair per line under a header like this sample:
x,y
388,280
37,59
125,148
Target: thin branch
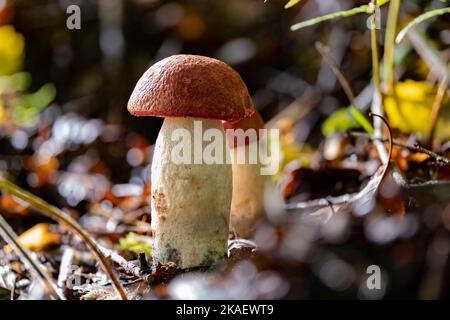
x,y
437,157
62,217
321,202
127,266
440,160
390,142
8,234
324,52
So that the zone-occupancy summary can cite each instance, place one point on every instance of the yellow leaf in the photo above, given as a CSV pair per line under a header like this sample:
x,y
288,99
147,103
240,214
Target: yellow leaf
x,y
291,3
37,238
12,46
2,114
409,109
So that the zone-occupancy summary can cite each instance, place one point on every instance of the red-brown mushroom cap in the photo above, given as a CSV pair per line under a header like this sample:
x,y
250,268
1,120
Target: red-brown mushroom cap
x,y
191,86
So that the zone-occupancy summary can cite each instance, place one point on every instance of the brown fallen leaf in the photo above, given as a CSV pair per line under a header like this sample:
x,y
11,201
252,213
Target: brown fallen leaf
x,y
39,237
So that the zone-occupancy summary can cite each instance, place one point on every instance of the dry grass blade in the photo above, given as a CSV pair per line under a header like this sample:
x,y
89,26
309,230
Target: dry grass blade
x,y
324,52
436,109
8,234
57,214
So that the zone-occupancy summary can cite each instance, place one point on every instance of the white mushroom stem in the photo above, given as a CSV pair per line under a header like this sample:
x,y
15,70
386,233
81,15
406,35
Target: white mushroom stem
x,y
247,206
190,202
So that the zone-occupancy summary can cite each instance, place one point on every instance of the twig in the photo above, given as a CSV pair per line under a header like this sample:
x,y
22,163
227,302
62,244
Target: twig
x,y
390,142
62,217
324,52
65,266
127,266
321,202
7,233
13,289
143,264
437,157
440,160
437,104
297,110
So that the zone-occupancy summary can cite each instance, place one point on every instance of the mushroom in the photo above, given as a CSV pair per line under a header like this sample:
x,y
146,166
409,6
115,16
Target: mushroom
x,y
247,205
190,202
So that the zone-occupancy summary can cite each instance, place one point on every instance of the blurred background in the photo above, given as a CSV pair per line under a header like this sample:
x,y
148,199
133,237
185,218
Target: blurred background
x,y
65,133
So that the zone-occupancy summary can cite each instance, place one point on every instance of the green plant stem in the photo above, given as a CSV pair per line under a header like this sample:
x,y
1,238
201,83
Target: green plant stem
x,y
388,57
340,14
62,217
377,102
420,19
347,13
375,55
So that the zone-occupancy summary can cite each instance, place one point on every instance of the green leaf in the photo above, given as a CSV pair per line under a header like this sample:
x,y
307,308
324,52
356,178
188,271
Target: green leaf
x,y
345,119
19,81
361,119
338,121
291,3
26,108
135,243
